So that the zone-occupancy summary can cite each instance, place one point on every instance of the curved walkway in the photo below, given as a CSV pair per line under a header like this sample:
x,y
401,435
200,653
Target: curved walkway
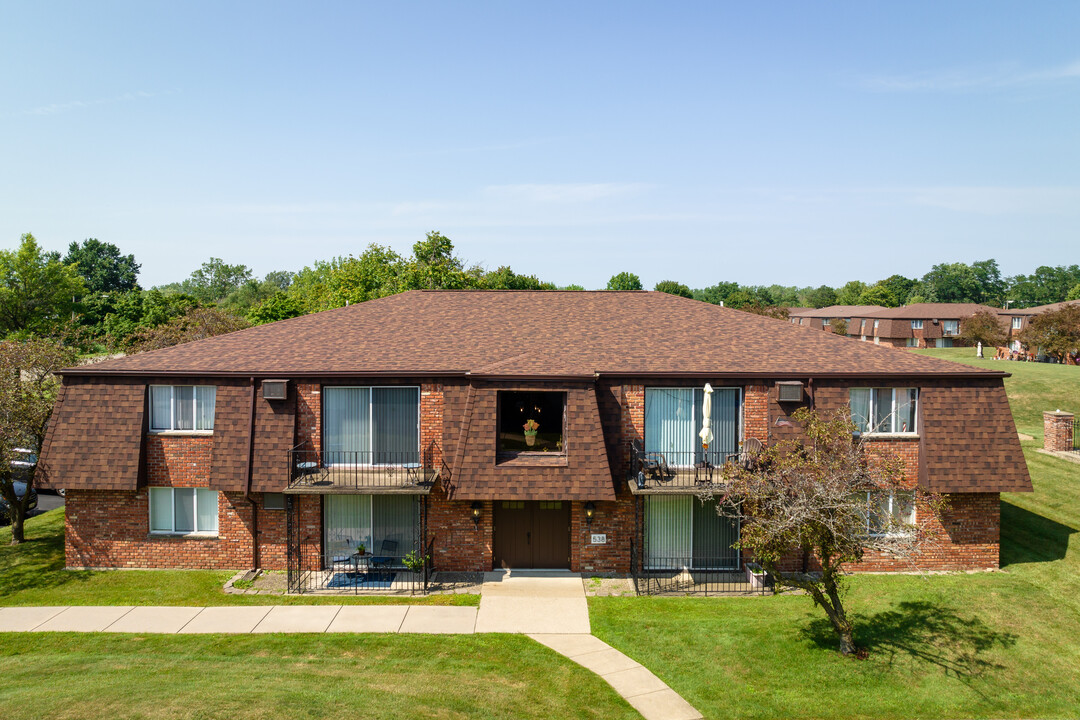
x,y
550,608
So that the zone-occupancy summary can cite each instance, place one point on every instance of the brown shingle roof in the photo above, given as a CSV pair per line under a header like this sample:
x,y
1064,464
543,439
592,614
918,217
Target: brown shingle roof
x,y
834,311
534,334
928,311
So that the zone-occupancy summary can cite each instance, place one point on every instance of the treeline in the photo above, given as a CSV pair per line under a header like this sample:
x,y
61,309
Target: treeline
x,y
980,282
90,297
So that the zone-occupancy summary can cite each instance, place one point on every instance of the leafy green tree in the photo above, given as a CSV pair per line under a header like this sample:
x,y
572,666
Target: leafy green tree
x,y
434,266
951,283
784,295
624,281
279,306
877,295
850,293
28,387
279,279
506,279
579,288
158,308
673,288
717,294
992,287
1044,286
1074,294
1056,332
214,280
900,287
819,297
102,267
37,290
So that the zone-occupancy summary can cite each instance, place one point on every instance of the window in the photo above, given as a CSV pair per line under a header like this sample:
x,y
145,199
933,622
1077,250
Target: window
x,y
863,338
385,525
531,421
912,342
182,407
683,533
273,501
950,327
825,322
875,325
371,425
877,340
888,513
183,511
884,410
945,342
1016,322
673,419
916,324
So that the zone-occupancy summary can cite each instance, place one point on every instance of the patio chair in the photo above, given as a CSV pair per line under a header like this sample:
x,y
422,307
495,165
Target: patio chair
x,y
747,458
340,553
652,465
387,553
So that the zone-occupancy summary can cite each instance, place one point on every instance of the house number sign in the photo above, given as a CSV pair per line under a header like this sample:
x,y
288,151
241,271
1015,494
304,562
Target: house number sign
x,y
599,539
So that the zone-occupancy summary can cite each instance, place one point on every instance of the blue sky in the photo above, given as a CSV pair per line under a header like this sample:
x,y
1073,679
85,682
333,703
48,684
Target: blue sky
x,y
798,143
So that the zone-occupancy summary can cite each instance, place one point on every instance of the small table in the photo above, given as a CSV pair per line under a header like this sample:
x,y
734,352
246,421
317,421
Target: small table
x,y
361,562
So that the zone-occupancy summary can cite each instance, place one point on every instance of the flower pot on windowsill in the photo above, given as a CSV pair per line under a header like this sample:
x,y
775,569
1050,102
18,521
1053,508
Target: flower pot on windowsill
x,y
530,438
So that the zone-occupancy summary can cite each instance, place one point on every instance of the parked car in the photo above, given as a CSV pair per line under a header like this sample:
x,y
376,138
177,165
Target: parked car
x,y
27,463
20,491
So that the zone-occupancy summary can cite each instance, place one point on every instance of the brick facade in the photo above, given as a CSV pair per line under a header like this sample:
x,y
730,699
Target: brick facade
x,y
107,528
1058,431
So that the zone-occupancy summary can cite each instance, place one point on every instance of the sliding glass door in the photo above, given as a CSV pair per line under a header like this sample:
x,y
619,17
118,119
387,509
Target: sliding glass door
x,y
682,533
371,425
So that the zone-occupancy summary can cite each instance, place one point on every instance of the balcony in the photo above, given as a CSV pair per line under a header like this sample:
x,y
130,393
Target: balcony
x,y
683,473
409,473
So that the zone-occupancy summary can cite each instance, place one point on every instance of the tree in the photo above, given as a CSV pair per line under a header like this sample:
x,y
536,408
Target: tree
x,y
1056,332
839,326
279,306
1046,285
900,287
1074,294
195,324
28,387
779,313
717,294
624,281
434,266
992,287
951,283
819,297
505,278
820,495
214,280
878,295
984,327
673,288
37,290
102,267
850,293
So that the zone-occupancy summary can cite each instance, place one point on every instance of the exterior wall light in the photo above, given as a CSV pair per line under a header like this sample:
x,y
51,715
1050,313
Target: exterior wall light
x,y
590,512
477,510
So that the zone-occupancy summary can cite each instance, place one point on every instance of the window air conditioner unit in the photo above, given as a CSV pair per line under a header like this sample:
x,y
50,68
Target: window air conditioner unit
x,y
275,389
789,391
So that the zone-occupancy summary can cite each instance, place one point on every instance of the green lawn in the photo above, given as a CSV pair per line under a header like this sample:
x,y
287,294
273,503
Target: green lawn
x,y
295,676
33,574
1003,645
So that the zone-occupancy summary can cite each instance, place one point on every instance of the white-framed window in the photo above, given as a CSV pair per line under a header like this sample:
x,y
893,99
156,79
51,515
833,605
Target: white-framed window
x,y
945,342
825,322
916,324
371,425
800,321
1017,322
863,338
950,327
913,342
884,410
183,511
889,513
877,340
876,324
182,407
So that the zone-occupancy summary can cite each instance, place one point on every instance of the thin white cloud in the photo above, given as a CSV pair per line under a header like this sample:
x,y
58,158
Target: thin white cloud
x,y
58,108
998,77
564,192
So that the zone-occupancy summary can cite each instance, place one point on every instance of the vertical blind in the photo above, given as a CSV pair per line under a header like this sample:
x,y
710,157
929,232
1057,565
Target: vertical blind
x,y
383,523
366,425
182,407
673,419
684,533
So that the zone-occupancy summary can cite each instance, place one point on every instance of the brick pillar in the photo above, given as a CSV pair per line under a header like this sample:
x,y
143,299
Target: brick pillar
x,y
1058,431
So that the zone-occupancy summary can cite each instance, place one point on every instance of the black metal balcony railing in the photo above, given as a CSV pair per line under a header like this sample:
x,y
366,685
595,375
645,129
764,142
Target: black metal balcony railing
x,y
726,575
1076,435
685,469
343,471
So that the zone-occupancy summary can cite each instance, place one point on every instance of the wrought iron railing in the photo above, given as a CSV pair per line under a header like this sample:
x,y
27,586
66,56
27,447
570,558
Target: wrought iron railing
x,y
1076,435
312,469
724,575
683,469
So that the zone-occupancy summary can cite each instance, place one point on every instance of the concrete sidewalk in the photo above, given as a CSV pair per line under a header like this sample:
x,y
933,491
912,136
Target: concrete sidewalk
x,y
548,607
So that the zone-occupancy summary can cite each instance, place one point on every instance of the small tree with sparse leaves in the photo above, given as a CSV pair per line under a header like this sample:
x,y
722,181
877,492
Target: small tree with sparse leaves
x,y
823,495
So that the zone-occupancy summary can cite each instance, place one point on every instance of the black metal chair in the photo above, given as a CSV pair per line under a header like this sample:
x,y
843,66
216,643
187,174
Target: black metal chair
x,y
387,553
651,465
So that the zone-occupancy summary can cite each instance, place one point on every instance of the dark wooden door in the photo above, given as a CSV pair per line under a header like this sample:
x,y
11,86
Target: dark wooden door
x,y
532,534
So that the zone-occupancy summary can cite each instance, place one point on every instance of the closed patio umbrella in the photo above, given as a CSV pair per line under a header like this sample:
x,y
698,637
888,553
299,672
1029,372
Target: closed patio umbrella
x,y
706,433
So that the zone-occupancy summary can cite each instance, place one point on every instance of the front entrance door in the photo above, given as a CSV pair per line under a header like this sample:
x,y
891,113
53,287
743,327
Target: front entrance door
x,y
532,534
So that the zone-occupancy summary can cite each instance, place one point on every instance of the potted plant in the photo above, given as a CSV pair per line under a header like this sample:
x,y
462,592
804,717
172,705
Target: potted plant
x,y
361,549
531,427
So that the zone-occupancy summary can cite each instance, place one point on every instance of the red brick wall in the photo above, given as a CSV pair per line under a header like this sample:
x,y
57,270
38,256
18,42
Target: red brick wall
x,y
1058,431
178,460
756,412
309,414
459,543
431,420
614,519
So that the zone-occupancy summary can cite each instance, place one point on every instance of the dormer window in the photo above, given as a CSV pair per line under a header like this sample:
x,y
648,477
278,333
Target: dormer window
x,y
182,407
531,421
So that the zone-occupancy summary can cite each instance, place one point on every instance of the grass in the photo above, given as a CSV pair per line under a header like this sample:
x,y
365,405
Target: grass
x,y
295,676
1033,387
33,574
1003,645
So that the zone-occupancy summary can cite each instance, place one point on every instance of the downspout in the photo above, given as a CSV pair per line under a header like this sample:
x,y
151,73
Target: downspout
x,y
255,559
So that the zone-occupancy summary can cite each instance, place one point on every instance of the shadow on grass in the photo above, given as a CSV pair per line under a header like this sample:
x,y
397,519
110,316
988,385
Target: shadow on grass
x,y
1028,537
36,564
920,634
